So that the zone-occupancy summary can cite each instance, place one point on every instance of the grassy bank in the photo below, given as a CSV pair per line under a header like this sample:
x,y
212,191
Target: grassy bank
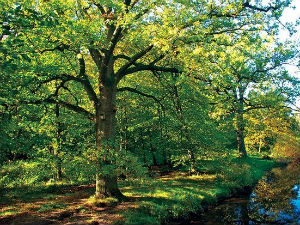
x,y
157,200
177,196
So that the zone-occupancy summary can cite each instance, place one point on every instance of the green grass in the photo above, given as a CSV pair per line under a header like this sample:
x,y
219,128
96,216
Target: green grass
x,y
30,193
50,206
155,200
92,201
8,212
179,196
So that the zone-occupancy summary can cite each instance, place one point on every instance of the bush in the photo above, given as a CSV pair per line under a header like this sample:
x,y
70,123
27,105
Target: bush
x,y
21,173
79,169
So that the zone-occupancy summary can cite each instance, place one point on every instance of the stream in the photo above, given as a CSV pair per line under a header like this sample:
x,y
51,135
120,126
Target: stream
x,y
274,200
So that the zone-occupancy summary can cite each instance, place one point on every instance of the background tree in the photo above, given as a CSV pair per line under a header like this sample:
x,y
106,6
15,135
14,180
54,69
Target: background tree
x,y
249,75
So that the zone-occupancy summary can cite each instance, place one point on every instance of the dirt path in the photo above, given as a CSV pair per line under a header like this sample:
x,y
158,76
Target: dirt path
x,y
64,207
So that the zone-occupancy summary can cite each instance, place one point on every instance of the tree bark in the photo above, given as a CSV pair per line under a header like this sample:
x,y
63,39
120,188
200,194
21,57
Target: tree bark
x,y
106,181
152,149
260,144
185,132
57,150
240,135
240,124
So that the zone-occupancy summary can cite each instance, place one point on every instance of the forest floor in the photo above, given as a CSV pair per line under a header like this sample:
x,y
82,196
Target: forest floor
x,y
160,199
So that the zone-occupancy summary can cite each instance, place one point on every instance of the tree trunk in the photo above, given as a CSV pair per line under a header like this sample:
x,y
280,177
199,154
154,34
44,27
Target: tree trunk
x,y
106,179
240,135
143,148
58,163
192,160
152,150
154,161
240,125
260,145
185,132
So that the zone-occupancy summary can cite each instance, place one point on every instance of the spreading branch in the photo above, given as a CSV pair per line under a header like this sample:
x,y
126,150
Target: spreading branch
x,y
134,90
100,7
96,56
270,8
132,60
67,105
115,39
60,48
52,99
65,78
143,67
86,83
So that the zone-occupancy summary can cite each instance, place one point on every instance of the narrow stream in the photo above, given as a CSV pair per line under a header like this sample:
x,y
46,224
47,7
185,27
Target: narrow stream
x,y
274,200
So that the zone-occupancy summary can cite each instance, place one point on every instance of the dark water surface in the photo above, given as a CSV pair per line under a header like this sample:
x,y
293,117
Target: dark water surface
x,y
274,200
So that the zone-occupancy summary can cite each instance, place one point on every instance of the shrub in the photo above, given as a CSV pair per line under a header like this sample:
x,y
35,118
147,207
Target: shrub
x,y
21,173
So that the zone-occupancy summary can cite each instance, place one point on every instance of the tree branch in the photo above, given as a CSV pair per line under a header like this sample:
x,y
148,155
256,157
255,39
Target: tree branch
x,y
70,106
247,5
150,67
100,7
86,83
133,90
65,78
60,48
122,56
96,56
115,40
50,100
132,60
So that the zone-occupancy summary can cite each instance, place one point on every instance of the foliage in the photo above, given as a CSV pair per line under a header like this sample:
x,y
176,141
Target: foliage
x,y
25,173
119,90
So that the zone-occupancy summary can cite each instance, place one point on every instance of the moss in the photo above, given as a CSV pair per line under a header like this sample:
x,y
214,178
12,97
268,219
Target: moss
x,y
101,202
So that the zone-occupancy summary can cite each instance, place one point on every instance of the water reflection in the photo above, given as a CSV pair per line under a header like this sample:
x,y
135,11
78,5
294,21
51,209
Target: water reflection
x,y
275,200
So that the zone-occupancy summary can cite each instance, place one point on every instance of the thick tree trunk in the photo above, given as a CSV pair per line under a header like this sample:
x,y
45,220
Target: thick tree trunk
x,y
107,186
240,125
106,179
240,136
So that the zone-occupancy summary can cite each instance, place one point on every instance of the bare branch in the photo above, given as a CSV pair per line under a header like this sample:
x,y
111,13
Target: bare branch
x,y
62,77
50,100
67,89
65,78
158,59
